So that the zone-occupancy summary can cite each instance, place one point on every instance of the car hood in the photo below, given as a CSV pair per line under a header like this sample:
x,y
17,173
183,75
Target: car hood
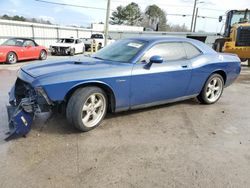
x,y
68,66
63,44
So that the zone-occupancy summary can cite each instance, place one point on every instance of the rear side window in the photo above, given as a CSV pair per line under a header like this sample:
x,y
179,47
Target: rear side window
x,y
78,41
191,50
171,51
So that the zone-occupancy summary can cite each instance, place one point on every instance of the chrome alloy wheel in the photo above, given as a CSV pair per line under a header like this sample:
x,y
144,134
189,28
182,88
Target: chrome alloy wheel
x,y
12,58
214,89
43,55
93,109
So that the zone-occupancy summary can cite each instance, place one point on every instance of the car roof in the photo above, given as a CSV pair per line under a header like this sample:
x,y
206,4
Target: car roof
x,y
160,38
21,38
152,39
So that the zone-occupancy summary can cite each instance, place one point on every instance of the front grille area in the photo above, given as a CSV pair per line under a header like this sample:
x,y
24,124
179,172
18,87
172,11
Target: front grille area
x,y
243,36
23,90
60,50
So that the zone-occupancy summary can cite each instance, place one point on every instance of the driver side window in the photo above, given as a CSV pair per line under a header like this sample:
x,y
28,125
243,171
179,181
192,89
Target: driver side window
x,y
170,51
28,43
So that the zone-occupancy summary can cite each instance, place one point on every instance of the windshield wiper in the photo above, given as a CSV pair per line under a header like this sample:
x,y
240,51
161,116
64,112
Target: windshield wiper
x,y
98,58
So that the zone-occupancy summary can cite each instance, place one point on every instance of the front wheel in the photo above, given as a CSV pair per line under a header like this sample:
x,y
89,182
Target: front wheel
x,y
212,89
72,51
11,58
86,108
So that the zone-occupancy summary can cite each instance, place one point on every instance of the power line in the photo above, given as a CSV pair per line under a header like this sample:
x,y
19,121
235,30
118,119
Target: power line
x,y
98,8
186,15
71,5
173,5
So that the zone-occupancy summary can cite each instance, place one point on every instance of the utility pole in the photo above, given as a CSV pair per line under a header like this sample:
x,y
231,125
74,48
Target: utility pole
x,y
106,30
195,2
195,20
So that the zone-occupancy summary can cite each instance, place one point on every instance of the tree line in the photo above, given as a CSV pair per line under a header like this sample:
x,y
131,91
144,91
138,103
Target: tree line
x,y
153,18
23,19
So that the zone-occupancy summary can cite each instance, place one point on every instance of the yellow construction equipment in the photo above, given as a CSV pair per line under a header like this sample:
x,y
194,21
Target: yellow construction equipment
x,y
236,37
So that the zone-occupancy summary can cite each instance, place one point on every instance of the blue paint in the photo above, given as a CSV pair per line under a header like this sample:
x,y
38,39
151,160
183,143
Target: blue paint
x,y
130,82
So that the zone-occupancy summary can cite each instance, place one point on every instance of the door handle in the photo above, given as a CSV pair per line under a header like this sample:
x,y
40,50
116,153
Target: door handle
x,y
184,66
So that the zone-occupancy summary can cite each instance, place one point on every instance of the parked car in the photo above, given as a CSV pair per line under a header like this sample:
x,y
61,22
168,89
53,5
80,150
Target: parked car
x,y
139,73
96,39
17,49
67,46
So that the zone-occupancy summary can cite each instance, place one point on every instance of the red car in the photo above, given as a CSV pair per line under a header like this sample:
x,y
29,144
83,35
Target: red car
x,y
17,49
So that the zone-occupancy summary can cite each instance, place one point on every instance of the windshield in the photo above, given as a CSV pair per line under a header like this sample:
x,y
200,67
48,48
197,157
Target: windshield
x,y
97,36
239,17
66,41
13,42
122,50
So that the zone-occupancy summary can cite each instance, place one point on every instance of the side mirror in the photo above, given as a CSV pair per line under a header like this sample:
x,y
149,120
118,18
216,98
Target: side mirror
x,y
28,46
156,59
220,18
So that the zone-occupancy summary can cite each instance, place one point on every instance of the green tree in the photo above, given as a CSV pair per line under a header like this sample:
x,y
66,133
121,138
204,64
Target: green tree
x,y
118,16
155,18
129,15
18,18
6,17
133,14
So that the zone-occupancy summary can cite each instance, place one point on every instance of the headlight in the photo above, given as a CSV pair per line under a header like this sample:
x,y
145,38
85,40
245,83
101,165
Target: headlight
x,y
1,53
40,91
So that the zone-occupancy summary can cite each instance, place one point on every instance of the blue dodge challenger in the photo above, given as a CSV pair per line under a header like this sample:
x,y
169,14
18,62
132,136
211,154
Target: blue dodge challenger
x,y
128,74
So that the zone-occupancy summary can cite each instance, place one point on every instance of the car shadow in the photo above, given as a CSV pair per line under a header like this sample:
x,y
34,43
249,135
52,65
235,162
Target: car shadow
x,y
57,123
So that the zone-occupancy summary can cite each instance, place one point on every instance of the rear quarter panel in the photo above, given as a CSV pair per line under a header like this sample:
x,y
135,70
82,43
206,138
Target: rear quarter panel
x,y
203,66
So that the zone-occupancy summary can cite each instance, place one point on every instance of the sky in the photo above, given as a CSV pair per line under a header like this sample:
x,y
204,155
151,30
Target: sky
x,y
65,15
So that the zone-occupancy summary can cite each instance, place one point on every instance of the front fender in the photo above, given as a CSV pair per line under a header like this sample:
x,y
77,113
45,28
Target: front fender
x,y
59,91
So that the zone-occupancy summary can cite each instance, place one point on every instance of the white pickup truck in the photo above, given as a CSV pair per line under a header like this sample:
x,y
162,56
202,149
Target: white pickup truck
x,y
67,46
96,38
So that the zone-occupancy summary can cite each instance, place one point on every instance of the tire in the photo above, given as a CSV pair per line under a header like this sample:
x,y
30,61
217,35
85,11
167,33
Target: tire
x,y
248,62
11,58
99,46
243,59
218,44
43,55
212,90
72,52
81,108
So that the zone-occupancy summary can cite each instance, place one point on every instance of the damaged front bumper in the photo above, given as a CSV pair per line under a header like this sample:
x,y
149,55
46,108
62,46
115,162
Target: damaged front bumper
x,y
19,122
25,102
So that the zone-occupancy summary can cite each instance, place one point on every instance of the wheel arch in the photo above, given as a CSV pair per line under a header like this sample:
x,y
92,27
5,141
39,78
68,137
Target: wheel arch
x,y
105,87
13,51
222,73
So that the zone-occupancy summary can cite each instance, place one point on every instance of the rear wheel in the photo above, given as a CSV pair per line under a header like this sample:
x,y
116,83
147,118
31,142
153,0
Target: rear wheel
x,y
212,89
11,58
218,44
43,55
248,63
86,108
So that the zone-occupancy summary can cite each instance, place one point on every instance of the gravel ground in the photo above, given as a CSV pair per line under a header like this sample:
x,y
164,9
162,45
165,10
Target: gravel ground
x,y
183,144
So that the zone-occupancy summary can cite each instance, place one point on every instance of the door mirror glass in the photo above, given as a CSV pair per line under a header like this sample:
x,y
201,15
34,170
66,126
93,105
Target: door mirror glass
x,y
220,18
156,59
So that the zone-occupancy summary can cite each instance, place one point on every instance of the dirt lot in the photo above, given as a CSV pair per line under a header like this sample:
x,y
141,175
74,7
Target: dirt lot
x,y
184,144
